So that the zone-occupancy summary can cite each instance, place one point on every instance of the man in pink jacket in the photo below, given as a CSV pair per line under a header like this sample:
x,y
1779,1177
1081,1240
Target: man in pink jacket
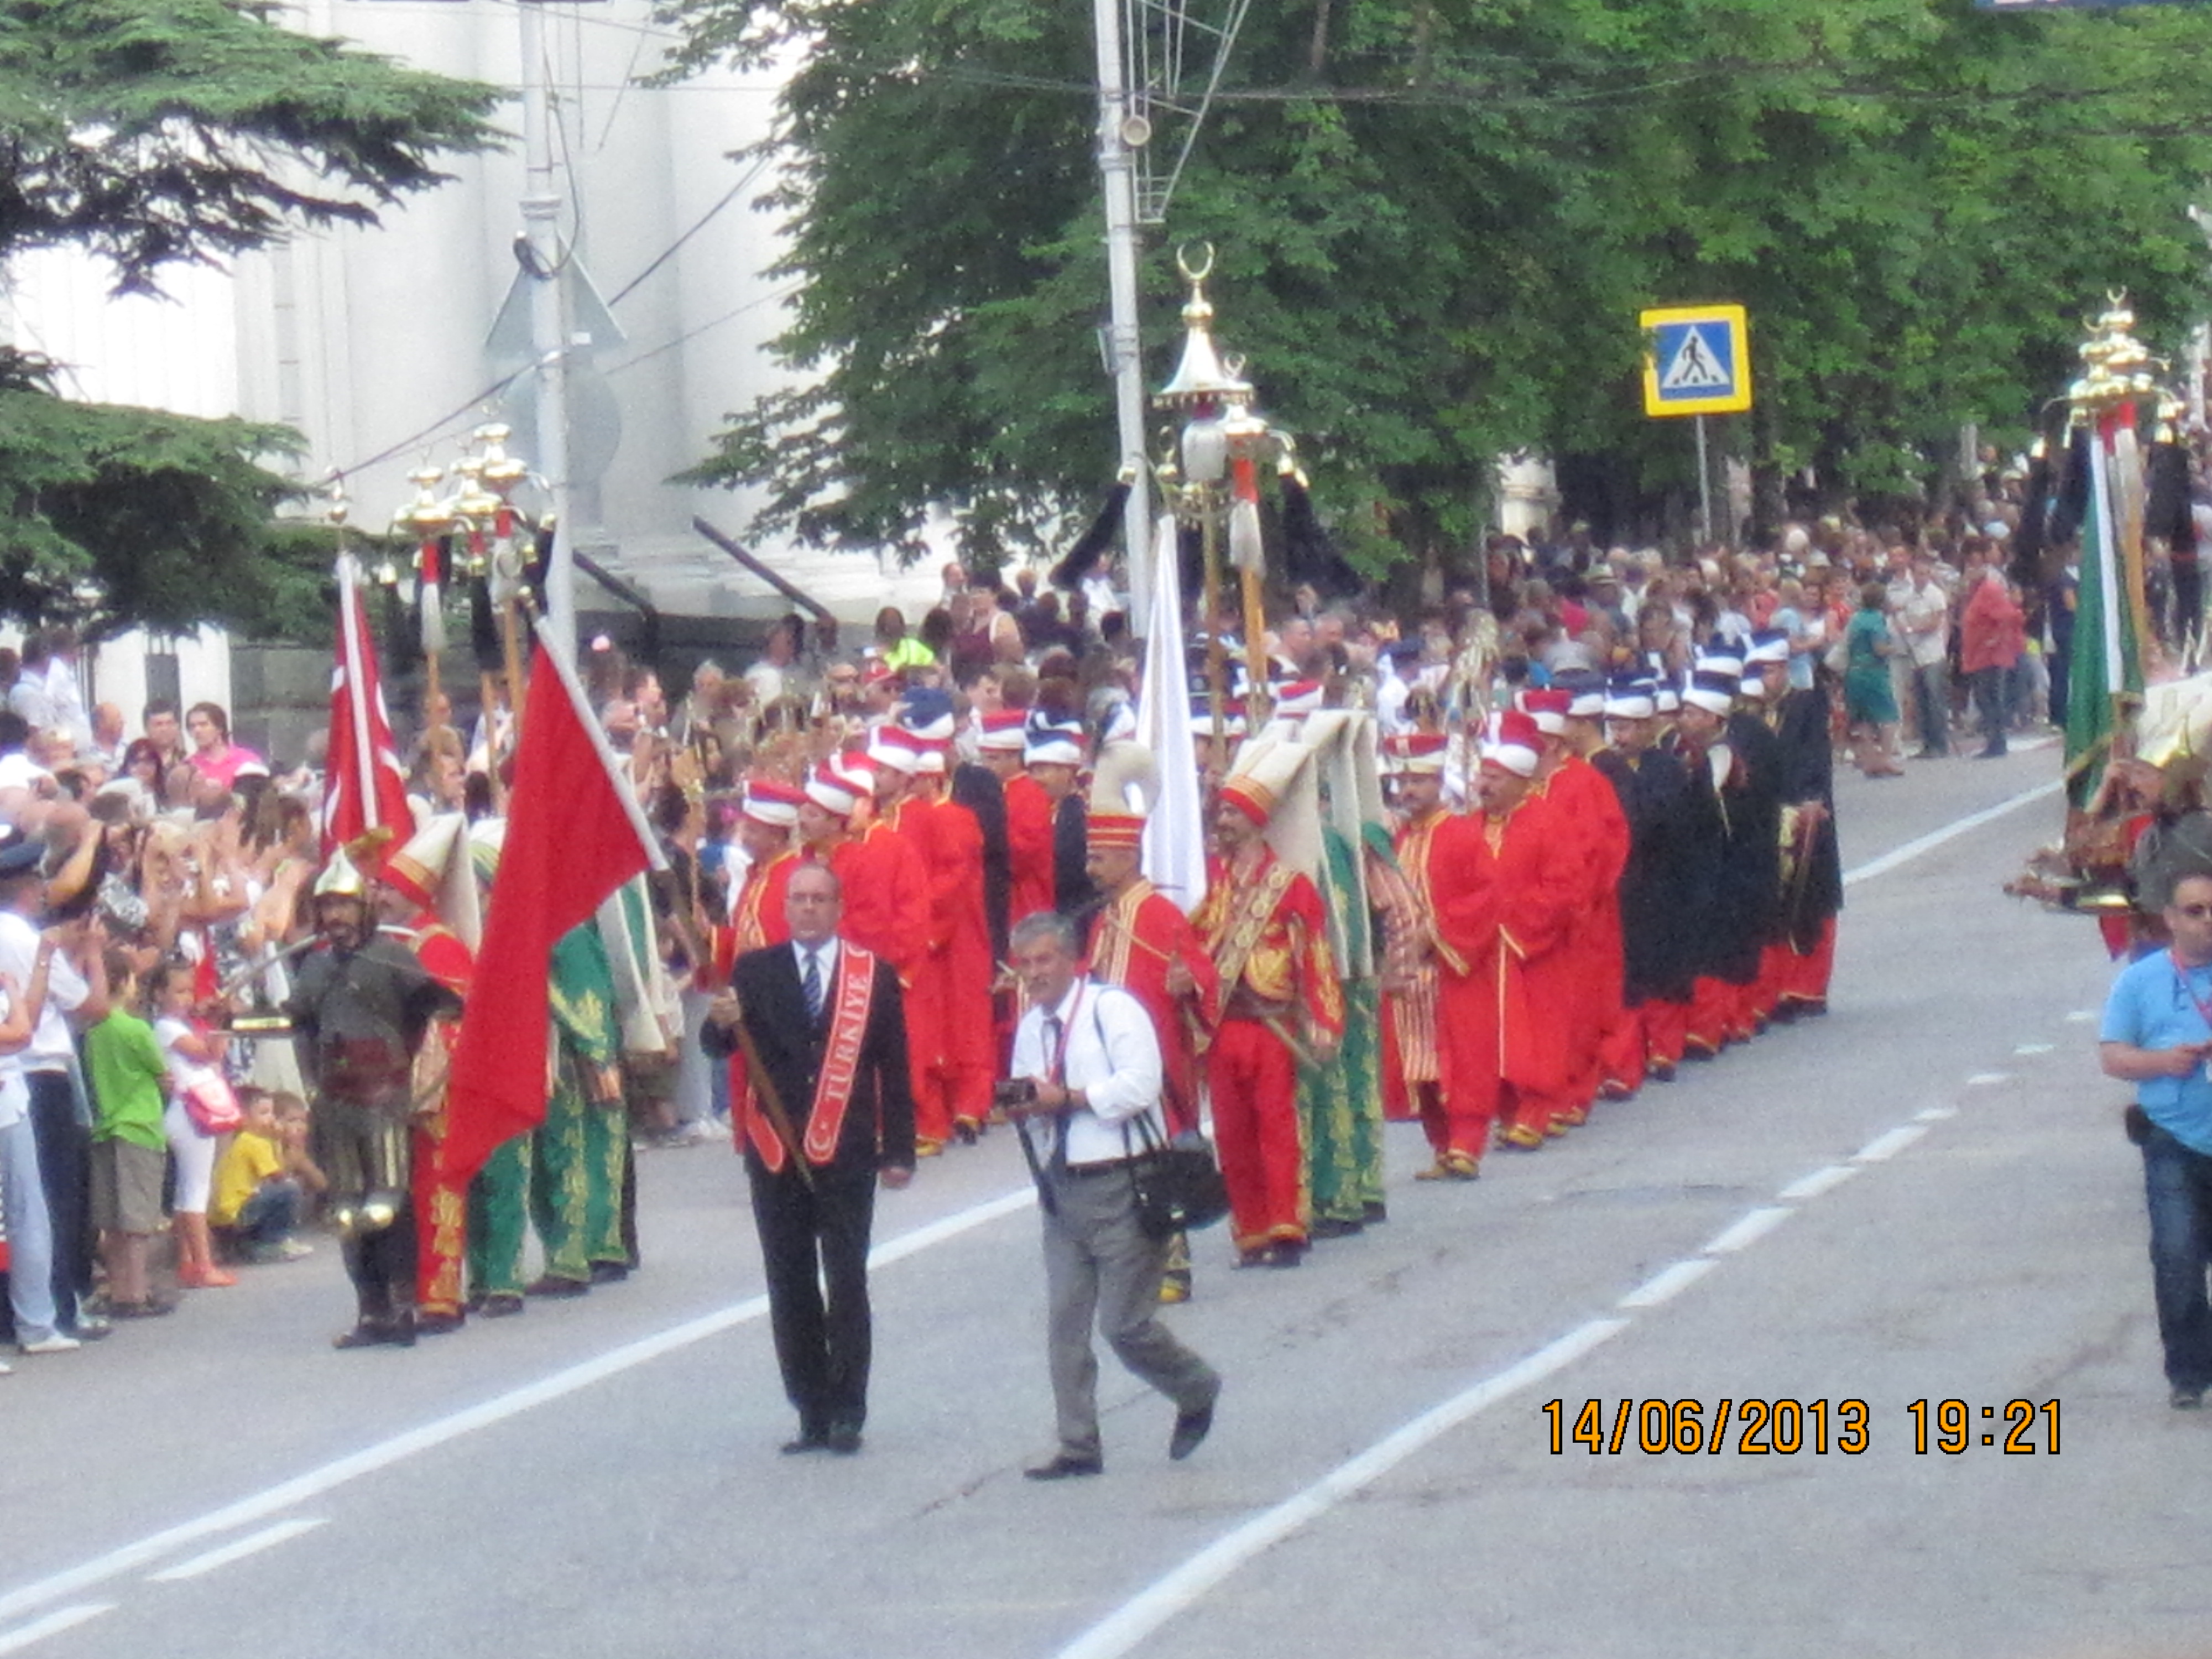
x,y
1992,631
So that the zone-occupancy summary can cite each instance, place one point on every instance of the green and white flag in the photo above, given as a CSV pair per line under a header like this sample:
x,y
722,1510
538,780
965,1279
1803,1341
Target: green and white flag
x,y
2105,662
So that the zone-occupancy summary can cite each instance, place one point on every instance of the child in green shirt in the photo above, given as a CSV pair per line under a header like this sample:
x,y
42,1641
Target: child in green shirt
x,y
130,1153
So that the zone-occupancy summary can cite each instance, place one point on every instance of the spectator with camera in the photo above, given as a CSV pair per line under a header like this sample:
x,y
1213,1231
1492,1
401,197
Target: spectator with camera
x,y
1085,1093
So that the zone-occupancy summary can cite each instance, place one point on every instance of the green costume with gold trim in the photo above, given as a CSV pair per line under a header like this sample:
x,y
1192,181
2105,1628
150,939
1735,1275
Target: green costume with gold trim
x,y
1340,1103
580,1153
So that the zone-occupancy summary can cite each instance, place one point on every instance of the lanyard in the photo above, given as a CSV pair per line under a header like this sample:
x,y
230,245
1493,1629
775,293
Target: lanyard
x,y
2203,1003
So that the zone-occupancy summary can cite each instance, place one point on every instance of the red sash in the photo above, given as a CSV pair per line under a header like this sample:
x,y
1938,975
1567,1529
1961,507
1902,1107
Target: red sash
x,y
850,999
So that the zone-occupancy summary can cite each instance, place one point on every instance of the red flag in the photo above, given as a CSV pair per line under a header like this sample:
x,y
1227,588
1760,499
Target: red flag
x,y
574,835
363,786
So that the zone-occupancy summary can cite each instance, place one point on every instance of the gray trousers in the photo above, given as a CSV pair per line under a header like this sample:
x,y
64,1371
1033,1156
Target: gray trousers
x,y
1098,1264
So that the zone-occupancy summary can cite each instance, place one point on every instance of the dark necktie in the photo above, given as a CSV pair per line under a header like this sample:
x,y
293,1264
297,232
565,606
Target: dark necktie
x,y
810,983
1057,1163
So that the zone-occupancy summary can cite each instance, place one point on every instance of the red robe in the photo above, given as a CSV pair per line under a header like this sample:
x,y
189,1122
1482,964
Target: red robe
x,y
1268,935
1506,893
1029,847
758,918
886,898
1133,939
955,1088
1591,969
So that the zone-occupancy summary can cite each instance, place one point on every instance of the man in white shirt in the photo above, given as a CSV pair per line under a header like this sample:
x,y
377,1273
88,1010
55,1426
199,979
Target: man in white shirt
x,y
43,1163
1923,614
1086,1066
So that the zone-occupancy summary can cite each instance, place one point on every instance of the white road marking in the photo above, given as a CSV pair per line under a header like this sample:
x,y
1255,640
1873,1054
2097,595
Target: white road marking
x,y
2081,1016
273,1500
1985,1080
1951,831
1752,1226
1669,1283
1144,1614
2036,1048
62,1618
1820,1181
1935,1114
237,1550
1888,1145
1137,1618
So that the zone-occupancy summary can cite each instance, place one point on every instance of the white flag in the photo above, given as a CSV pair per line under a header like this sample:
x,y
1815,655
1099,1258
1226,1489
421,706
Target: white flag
x,y
1175,834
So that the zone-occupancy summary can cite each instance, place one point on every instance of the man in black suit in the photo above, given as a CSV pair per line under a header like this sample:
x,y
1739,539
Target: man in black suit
x,y
827,1110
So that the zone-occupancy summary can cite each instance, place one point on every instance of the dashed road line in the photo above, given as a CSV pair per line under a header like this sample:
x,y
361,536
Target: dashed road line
x,y
1753,1226
237,1550
1888,1144
1668,1282
1820,1181
62,1618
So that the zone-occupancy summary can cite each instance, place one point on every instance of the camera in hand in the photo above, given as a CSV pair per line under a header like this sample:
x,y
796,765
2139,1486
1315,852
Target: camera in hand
x,y
1014,1092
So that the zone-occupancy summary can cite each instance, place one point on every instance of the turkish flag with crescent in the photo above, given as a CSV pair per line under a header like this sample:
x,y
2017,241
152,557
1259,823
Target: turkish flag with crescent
x,y
574,834
363,784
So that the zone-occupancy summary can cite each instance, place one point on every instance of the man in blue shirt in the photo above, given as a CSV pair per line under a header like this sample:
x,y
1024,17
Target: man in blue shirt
x,y
2157,1035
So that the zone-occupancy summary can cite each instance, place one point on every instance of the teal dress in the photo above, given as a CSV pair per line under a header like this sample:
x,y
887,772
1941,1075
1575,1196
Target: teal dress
x,y
1868,697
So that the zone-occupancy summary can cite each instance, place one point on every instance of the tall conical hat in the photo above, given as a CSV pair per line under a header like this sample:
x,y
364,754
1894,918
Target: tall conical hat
x,y
1126,779
1344,743
1273,784
435,870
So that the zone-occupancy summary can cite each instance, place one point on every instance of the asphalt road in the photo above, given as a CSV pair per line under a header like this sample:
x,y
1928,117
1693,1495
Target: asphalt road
x,y
1924,1196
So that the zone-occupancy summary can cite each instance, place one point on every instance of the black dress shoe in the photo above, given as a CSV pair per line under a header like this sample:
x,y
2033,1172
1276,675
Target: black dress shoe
x,y
375,1334
439,1324
1190,1430
610,1273
810,1440
500,1304
552,1285
1064,1468
1374,1210
1287,1253
1336,1226
843,1438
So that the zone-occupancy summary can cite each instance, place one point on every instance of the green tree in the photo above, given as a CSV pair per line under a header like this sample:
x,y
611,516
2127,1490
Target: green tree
x,y
1436,226
151,133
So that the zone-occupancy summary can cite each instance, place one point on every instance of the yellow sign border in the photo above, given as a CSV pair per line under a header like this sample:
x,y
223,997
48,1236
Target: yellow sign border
x,y
1733,318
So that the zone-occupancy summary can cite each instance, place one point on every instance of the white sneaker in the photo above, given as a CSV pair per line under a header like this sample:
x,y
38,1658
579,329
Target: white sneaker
x,y
5,1368
55,1343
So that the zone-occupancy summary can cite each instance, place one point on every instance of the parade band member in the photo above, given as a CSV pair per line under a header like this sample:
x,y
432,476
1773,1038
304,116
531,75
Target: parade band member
x,y
1142,943
823,1101
1091,1065
1412,1074
1505,897
361,1006
413,876
1263,922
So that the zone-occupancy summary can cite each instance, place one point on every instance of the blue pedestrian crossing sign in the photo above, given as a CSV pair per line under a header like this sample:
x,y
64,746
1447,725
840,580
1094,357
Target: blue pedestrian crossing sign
x,y
1697,359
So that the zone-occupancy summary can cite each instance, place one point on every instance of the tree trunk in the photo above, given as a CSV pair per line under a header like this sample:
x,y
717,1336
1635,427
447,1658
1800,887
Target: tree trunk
x,y
1317,54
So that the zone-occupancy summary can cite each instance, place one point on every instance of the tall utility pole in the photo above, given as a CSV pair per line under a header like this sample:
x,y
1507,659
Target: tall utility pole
x,y
542,255
1125,345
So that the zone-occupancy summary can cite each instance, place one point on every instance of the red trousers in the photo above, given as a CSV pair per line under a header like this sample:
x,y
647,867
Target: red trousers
x,y
1254,1082
1666,1032
1720,1013
1621,1052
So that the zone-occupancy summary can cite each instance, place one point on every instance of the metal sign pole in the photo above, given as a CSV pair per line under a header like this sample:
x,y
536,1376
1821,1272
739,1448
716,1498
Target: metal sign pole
x,y
1705,489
